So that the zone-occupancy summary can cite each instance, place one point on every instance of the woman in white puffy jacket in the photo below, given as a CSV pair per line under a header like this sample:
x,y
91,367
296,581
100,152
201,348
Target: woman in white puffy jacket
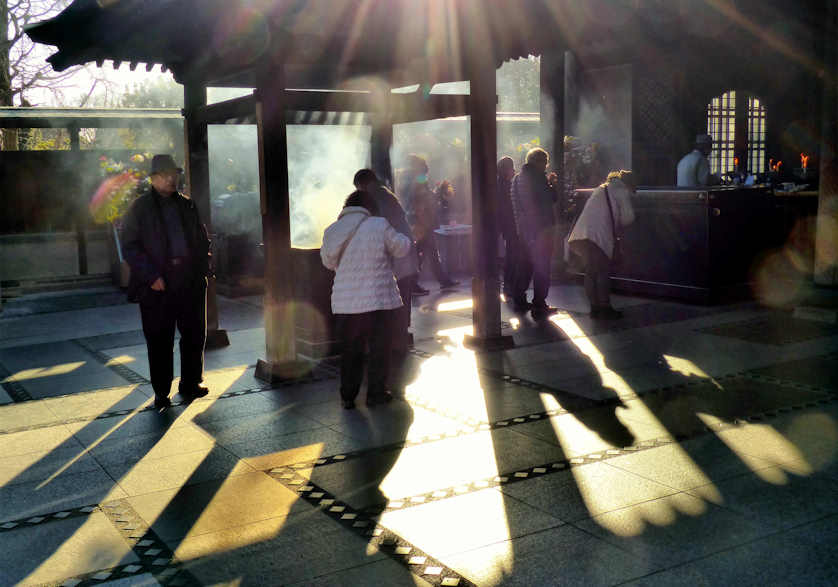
x,y
594,235
359,247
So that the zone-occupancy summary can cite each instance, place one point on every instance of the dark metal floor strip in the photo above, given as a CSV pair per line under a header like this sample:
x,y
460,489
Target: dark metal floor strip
x,y
365,524
154,556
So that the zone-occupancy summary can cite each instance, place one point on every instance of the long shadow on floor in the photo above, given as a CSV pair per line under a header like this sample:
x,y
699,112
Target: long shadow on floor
x,y
79,470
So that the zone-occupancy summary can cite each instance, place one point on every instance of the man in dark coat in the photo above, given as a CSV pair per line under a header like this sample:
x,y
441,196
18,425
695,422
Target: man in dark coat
x,y
405,269
533,198
168,250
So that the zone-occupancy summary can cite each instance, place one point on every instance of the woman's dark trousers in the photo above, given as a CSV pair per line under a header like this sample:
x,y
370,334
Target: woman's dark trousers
x,y
357,331
184,306
597,267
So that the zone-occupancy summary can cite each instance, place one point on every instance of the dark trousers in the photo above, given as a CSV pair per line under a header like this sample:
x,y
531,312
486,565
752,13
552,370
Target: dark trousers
x,y
597,267
357,331
534,261
426,248
400,340
510,264
186,308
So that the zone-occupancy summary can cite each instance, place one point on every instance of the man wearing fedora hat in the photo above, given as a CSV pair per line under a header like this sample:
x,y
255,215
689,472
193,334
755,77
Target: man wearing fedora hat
x,y
168,250
694,167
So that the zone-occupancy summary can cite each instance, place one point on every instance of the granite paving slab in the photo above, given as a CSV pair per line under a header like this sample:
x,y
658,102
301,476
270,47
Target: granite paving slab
x,y
774,497
282,551
466,522
449,463
779,559
62,549
98,378
586,491
64,492
95,403
775,328
387,573
690,464
673,529
564,555
178,471
44,466
217,505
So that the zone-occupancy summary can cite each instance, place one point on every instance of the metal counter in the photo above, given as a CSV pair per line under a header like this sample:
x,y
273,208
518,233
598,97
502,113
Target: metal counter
x,y
696,245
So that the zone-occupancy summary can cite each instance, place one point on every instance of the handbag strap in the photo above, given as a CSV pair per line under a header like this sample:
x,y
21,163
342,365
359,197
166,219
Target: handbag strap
x,y
351,236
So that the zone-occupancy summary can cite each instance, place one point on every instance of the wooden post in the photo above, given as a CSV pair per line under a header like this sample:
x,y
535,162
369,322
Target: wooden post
x,y
485,285
381,143
197,178
81,212
826,236
552,84
280,362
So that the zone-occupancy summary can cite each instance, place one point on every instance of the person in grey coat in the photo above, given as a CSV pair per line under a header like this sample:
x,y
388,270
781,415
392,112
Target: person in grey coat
x,y
595,234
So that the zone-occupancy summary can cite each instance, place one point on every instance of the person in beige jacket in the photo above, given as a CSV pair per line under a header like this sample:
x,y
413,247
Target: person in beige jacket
x,y
595,233
359,247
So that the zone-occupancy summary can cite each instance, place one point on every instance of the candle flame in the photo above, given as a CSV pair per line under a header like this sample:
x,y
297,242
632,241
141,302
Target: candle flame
x,y
804,161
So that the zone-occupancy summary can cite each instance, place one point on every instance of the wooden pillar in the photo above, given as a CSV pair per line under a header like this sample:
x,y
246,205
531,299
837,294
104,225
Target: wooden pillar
x,y
197,178
381,143
81,211
826,237
552,84
485,285
280,361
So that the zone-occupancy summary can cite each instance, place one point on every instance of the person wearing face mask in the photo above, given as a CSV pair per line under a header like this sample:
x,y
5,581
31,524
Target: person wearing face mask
x,y
168,250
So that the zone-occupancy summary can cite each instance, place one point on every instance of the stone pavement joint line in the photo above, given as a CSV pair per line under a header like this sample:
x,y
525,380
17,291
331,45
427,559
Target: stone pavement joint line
x,y
365,525
129,375
15,389
313,377
480,484
155,557
51,517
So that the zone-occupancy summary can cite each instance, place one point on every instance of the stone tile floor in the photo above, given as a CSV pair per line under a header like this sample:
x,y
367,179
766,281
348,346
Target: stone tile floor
x,y
680,445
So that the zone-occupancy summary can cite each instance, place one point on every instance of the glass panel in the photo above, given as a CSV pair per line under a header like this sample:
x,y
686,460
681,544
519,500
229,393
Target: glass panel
x,y
322,160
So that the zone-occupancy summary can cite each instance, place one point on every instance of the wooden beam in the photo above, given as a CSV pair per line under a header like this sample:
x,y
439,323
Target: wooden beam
x,y
401,108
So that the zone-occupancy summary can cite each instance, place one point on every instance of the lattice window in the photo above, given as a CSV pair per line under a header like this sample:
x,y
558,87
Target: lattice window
x,y
721,125
756,135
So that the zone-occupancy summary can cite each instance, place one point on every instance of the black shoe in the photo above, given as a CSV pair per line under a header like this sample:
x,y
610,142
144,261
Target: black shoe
x,y
192,393
379,398
448,284
162,403
348,404
418,290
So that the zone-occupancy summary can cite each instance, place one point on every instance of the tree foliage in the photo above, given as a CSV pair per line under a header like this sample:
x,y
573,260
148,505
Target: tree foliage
x,y
159,93
23,65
